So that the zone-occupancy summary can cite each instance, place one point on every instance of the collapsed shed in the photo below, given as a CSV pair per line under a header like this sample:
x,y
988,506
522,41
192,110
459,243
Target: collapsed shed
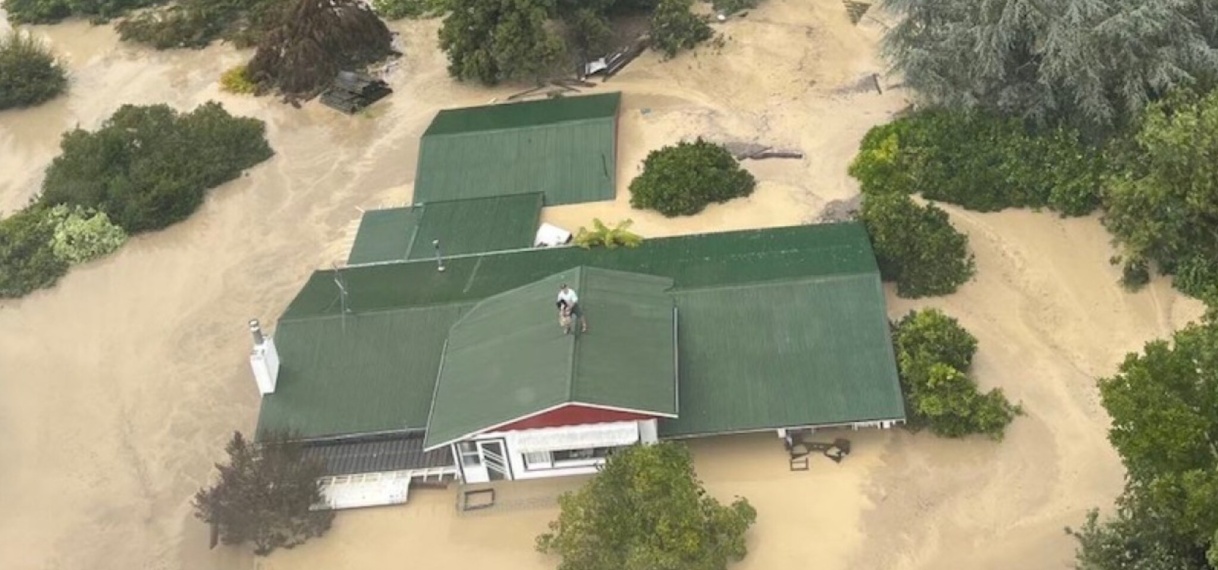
x,y
353,91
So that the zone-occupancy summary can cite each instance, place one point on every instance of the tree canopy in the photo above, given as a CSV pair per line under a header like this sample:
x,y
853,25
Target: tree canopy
x,y
1164,408
197,23
148,167
647,510
916,246
1096,63
1162,202
674,27
933,356
682,179
29,73
312,40
501,40
27,260
264,495
981,162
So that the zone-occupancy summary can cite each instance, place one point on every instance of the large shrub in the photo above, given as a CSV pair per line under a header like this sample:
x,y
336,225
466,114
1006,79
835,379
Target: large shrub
x,y
981,162
933,356
265,495
1162,199
148,167
51,11
27,260
508,40
647,509
916,246
681,180
29,73
197,23
674,27
312,40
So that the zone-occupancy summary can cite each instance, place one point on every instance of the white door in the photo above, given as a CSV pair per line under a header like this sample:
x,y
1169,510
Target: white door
x,y
483,461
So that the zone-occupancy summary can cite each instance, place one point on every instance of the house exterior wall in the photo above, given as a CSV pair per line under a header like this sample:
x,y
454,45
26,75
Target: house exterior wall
x,y
563,442
571,415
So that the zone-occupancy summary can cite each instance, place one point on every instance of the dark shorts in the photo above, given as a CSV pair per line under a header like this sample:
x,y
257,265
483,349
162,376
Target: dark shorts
x,y
576,311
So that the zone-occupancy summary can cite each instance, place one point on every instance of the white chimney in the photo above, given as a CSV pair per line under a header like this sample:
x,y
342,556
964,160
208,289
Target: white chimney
x,y
264,360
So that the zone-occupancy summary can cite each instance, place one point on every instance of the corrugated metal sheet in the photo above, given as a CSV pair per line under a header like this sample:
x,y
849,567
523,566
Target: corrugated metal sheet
x,y
462,226
540,112
792,353
693,261
384,235
782,326
358,374
480,225
394,453
507,357
564,148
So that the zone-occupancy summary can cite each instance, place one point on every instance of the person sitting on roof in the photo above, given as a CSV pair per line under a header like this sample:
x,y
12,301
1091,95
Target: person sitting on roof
x,y
568,304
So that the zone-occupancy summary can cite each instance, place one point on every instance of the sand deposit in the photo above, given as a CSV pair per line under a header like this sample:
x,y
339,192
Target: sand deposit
x,y
119,387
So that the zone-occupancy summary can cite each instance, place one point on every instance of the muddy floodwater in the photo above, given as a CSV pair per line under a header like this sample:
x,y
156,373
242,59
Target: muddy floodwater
x,y
120,386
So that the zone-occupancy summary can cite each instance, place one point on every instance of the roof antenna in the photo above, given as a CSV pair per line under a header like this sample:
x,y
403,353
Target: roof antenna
x,y
439,256
341,282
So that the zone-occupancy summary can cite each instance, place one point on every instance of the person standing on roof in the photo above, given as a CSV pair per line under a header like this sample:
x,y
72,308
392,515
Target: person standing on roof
x,y
568,304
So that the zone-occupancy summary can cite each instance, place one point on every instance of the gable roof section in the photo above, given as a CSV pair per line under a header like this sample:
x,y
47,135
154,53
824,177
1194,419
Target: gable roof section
x,y
462,226
507,358
692,261
785,353
564,148
357,374
377,376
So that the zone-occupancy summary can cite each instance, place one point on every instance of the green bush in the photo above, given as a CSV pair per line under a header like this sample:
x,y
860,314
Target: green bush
x,y
236,80
27,260
29,73
681,180
51,11
981,163
491,42
148,167
933,355
197,23
398,9
1162,197
83,235
674,27
916,246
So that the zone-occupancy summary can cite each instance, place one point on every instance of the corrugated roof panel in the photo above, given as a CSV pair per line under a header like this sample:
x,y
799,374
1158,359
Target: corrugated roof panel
x,y
569,156
508,358
479,225
362,373
378,455
691,261
793,353
384,235
524,114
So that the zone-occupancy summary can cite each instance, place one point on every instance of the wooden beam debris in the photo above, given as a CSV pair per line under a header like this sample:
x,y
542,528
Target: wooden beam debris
x,y
755,151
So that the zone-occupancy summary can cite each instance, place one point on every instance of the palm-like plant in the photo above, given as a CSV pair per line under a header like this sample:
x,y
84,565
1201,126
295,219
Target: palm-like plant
x,y
611,238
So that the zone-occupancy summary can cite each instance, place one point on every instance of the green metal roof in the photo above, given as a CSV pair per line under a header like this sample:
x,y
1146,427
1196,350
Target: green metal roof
x,y
785,354
462,226
564,148
755,313
362,373
693,261
507,358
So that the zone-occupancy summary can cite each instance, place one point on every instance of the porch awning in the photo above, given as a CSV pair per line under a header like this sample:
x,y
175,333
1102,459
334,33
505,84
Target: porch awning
x,y
576,437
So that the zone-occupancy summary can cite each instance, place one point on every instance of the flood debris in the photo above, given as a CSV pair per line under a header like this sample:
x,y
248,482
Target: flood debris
x,y
613,63
352,91
756,151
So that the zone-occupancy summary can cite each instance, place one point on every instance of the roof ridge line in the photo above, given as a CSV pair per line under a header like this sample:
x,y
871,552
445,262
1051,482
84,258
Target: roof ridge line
x,y
778,281
373,311
579,283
